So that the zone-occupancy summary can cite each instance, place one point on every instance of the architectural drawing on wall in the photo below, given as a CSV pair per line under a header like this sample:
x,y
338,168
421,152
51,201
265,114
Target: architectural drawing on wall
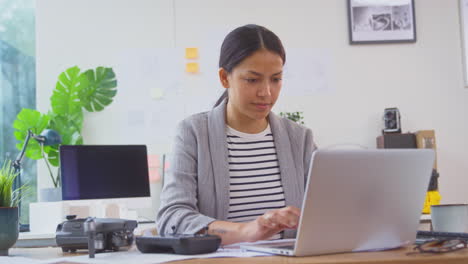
x,y
172,92
464,35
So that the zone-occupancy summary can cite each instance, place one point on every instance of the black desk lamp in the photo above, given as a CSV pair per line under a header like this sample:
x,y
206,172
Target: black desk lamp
x,y
46,138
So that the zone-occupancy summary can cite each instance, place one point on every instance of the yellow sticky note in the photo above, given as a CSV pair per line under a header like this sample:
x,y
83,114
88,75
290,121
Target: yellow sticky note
x,y
191,53
192,67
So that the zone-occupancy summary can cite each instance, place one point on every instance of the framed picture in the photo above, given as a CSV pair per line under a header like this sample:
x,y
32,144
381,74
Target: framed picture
x,y
464,36
381,21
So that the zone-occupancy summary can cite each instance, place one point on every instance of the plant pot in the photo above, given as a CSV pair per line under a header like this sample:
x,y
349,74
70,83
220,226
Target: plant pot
x,y
50,194
9,228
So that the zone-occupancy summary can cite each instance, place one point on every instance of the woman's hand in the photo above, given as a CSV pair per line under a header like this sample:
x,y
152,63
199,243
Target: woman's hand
x,y
271,223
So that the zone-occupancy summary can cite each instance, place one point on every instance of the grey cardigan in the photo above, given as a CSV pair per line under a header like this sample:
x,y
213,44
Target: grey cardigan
x,y
196,189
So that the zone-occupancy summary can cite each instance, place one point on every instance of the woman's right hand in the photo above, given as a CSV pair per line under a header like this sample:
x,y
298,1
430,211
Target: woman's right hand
x,y
271,223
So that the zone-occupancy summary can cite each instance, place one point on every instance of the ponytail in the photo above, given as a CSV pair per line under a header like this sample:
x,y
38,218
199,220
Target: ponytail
x,y
221,98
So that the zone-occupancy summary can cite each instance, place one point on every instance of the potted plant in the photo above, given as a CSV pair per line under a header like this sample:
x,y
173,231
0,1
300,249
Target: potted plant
x,y
9,201
75,92
294,116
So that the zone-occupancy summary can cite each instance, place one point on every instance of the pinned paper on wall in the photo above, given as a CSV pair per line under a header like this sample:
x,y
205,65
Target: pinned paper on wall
x,y
192,67
191,53
155,168
157,93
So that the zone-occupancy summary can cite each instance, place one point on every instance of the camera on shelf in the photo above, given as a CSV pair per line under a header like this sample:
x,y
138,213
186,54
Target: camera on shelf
x,y
391,120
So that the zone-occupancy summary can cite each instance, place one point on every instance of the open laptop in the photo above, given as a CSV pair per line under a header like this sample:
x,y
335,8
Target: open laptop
x,y
358,200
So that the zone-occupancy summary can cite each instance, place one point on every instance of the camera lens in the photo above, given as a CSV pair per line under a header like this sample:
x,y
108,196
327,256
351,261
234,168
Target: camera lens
x,y
390,115
390,124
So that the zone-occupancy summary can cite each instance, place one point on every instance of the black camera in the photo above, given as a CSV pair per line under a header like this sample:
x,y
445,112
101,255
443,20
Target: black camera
x,y
391,120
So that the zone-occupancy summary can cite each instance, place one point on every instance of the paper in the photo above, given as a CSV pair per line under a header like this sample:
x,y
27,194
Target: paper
x,y
191,53
154,167
192,67
134,256
18,260
157,93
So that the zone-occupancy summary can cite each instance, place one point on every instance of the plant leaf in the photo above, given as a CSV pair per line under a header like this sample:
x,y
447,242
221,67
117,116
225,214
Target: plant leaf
x,y
8,196
53,156
65,100
68,128
101,89
29,119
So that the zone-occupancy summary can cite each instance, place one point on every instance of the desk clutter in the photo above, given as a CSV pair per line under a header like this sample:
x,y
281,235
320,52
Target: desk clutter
x,y
179,244
392,137
424,236
95,234
107,234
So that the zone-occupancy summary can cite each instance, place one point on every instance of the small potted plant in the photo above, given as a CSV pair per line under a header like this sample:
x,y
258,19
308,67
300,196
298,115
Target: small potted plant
x,y
9,200
294,116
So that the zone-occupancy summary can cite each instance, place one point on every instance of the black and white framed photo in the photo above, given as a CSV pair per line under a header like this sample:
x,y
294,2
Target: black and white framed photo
x,y
381,21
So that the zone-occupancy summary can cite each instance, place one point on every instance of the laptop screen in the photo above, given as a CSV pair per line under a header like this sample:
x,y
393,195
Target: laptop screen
x,y
104,171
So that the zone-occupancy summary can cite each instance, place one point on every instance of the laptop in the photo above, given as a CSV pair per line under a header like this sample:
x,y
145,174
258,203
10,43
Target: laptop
x,y
359,200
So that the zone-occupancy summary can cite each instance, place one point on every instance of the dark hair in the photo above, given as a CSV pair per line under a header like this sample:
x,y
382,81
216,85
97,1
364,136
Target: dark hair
x,y
243,42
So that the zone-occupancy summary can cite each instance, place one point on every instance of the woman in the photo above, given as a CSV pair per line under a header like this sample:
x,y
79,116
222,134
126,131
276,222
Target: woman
x,y
239,169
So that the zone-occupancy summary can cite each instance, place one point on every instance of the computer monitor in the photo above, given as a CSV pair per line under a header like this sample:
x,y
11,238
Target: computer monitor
x,y
104,172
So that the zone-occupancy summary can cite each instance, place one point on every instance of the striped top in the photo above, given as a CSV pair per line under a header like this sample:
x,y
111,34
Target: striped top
x,y
254,175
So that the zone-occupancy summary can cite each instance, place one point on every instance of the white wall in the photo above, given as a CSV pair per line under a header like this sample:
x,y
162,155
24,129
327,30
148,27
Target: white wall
x,y
423,79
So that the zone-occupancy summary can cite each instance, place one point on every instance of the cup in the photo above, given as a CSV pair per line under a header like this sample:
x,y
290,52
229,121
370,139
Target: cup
x,y
450,218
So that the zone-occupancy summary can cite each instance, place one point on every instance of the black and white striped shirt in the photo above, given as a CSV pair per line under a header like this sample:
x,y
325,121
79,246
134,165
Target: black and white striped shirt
x,y
255,181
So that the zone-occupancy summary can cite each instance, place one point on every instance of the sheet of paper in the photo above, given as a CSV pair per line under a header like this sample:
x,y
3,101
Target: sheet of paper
x,y
154,167
134,256
18,260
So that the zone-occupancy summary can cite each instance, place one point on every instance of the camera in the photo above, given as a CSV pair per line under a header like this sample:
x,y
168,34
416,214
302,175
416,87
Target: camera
x,y
391,120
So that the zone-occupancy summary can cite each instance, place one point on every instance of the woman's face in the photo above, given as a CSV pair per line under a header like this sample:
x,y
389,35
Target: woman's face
x,y
254,85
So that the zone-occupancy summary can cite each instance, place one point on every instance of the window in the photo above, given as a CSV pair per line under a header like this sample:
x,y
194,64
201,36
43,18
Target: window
x,y
17,82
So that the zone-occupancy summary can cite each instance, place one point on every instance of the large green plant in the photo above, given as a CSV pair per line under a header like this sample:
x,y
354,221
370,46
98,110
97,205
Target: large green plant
x,y
10,197
75,91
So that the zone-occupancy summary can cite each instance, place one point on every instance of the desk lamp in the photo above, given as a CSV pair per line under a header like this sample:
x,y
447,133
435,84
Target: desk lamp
x,y
46,138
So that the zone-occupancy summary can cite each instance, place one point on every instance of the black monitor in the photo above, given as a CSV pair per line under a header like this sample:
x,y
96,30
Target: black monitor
x,y
104,171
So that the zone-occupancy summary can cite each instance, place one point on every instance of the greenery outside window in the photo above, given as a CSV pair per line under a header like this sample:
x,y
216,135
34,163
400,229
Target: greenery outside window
x,y
17,82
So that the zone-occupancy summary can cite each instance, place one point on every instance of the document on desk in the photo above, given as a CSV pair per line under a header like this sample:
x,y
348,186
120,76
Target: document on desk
x,y
135,256
18,260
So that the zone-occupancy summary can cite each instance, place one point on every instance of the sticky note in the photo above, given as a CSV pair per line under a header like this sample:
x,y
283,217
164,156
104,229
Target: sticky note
x,y
192,67
191,53
153,168
157,93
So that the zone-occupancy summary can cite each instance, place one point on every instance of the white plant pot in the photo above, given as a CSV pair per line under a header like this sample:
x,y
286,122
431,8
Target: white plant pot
x,y
50,194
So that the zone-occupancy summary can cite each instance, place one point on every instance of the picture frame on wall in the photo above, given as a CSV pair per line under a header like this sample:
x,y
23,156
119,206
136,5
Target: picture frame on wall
x,y
464,40
381,21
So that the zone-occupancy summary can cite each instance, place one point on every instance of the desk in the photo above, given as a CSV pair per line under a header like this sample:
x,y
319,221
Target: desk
x,y
388,257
